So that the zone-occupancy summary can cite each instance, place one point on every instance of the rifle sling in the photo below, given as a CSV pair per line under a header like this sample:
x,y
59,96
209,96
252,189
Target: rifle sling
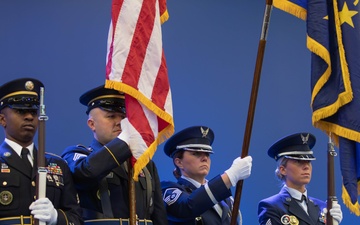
x,y
148,190
105,199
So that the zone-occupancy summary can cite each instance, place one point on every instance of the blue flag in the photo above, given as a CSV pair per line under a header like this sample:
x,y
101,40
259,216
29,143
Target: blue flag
x,y
333,37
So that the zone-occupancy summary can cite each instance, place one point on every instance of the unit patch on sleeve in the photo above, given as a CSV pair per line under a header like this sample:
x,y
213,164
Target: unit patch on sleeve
x,y
171,195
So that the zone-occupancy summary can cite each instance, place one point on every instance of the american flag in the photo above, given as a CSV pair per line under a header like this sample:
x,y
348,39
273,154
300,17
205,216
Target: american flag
x,y
136,65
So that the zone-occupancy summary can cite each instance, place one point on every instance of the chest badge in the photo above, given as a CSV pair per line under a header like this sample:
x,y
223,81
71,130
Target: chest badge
x,y
294,220
6,197
285,219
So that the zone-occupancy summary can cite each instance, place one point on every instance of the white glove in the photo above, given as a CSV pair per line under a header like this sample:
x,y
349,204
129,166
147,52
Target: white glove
x,y
336,212
43,210
133,138
239,170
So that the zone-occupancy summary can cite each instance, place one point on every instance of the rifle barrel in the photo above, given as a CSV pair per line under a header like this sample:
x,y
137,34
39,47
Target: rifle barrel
x,y
330,180
41,169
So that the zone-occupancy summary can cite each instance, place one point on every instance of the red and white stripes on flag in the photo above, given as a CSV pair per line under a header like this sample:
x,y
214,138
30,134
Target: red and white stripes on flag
x,y
136,65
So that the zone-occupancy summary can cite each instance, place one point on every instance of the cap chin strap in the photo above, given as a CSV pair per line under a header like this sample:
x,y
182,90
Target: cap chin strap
x,y
295,153
298,158
194,146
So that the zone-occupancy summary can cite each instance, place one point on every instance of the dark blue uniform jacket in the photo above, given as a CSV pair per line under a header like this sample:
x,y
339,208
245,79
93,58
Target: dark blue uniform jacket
x,y
278,206
90,165
17,189
185,203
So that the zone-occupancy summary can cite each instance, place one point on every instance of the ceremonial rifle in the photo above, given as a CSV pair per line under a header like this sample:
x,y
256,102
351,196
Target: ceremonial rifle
x,y
252,104
41,167
330,182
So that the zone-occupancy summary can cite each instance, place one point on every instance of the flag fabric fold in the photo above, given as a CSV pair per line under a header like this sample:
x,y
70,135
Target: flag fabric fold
x,y
136,65
333,37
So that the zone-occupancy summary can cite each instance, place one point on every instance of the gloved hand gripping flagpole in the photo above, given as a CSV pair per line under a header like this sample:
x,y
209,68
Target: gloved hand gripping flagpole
x,y
42,172
252,104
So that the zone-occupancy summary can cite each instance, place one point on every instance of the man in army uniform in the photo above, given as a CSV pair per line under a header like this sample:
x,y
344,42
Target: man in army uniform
x,y
19,109
100,171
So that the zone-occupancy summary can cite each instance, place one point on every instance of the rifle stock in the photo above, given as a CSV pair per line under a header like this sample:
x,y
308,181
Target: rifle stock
x,y
41,167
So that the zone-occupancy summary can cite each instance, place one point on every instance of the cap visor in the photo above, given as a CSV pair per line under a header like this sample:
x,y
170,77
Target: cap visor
x,y
23,106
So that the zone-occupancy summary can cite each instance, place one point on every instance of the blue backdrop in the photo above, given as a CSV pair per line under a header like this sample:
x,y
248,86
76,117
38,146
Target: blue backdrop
x,y
210,48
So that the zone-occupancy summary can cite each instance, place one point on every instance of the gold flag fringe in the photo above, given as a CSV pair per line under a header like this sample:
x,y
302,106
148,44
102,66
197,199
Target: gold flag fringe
x,y
343,98
164,17
291,8
355,208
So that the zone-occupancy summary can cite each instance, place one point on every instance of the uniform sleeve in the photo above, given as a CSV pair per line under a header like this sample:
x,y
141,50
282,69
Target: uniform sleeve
x,y
159,215
88,166
182,205
268,214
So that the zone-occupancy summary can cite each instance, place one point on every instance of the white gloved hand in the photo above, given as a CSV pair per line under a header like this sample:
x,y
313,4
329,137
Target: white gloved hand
x,y
336,212
133,138
239,170
43,210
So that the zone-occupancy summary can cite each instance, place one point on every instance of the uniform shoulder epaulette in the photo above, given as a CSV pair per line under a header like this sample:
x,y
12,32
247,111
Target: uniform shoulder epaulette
x,y
53,154
83,147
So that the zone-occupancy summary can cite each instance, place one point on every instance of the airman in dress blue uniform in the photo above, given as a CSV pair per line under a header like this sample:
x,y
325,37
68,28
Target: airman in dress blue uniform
x,y
194,200
19,106
292,205
100,171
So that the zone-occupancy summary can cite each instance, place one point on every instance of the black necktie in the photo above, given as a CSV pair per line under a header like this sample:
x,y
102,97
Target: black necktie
x,y
303,198
25,159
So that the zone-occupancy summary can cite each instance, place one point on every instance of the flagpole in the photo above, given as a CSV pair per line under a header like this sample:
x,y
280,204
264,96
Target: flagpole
x,y
252,104
132,198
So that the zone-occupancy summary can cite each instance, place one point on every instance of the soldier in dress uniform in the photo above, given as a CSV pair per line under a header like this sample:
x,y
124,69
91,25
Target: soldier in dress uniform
x,y
292,205
194,200
100,170
19,111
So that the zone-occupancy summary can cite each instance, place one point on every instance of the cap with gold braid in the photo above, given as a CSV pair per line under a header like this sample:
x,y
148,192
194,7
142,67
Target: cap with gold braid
x,y
21,93
104,98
